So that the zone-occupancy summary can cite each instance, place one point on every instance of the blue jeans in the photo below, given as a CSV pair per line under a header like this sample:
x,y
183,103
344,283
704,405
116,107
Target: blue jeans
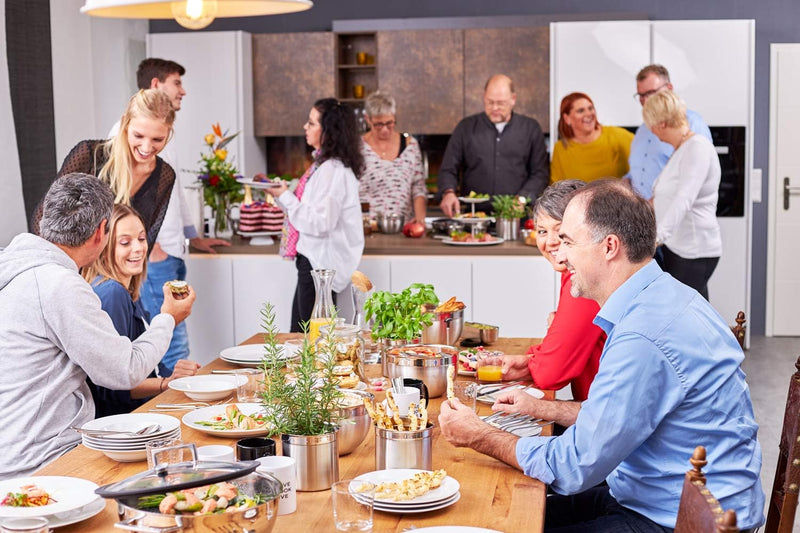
x,y
595,511
152,295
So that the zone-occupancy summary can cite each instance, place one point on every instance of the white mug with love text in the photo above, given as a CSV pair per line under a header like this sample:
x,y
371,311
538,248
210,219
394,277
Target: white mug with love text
x,y
283,468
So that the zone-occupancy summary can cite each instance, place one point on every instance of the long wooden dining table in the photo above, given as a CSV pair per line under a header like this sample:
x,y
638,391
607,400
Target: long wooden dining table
x,y
493,495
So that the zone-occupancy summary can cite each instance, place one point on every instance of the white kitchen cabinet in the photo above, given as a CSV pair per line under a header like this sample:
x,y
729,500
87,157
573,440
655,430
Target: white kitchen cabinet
x,y
516,293
258,279
219,88
210,325
710,65
600,59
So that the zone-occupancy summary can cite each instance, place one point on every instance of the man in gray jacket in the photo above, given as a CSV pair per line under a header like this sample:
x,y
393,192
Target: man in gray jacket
x,y
53,332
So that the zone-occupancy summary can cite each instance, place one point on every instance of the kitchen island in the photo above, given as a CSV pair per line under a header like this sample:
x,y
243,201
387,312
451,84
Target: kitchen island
x,y
509,284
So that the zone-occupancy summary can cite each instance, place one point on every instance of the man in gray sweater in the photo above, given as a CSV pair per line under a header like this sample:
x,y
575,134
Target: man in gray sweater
x,y
53,332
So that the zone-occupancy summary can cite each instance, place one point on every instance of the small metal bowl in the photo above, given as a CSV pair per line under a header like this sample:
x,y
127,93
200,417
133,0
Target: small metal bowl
x,y
389,223
355,422
489,335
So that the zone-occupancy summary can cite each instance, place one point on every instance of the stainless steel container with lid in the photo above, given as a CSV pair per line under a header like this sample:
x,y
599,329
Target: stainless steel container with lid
x,y
136,495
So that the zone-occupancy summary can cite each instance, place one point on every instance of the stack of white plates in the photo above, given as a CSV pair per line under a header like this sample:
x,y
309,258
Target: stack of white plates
x,y
130,448
75,499
253,354
443,496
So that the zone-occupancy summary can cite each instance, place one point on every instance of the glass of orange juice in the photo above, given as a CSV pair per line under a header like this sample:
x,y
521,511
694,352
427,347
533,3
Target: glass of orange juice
x,y
490,373
313,328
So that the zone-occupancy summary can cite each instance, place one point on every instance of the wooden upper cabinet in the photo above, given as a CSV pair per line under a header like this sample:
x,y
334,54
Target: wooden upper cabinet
x,y
523,54
424,71
290,72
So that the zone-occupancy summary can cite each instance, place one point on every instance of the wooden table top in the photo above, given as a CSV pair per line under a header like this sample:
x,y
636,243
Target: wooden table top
x,y
493,495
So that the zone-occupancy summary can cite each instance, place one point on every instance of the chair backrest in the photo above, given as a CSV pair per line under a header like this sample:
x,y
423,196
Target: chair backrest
x,y
740,329
699,511
783,501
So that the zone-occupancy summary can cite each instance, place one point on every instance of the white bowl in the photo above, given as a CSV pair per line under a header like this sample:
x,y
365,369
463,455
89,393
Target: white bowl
x,y
206,388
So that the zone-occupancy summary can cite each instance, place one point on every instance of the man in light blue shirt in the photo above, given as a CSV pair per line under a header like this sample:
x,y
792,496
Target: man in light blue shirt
x,y
669,380
649,154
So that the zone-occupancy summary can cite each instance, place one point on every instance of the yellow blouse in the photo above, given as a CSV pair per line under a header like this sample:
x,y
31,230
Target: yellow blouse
x,y
606,156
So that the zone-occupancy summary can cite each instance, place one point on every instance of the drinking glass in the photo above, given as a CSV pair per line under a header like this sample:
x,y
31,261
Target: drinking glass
x,y
467,393
154,449
352,505
249,385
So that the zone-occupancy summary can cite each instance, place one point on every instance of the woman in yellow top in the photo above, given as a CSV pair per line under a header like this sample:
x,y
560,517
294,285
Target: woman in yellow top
x,y
587,150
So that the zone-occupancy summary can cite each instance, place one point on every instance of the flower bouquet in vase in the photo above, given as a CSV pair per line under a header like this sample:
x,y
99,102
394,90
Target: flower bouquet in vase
x,y
219,179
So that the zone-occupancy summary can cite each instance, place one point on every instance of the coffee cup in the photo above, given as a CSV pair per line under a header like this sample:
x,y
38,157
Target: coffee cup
x,y
283,468
254,448
417,384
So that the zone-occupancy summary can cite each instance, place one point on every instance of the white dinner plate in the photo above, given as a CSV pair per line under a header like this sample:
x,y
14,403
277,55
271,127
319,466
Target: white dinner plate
x,y
448,240
68,492
101,444
133,422
207,387
78,515
422,509
455,529
192,418
446,490
258,184
254,353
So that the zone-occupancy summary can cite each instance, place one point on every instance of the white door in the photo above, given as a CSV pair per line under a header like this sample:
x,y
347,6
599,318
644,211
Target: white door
x,y
783,274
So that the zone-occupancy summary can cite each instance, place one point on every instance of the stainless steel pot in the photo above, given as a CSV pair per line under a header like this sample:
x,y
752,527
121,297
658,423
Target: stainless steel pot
x,y
445,329
354,423
164,478
405,362
389,222
317,459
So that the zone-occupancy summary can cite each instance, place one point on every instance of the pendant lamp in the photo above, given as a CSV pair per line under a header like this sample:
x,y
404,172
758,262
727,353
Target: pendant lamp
x,y
191,14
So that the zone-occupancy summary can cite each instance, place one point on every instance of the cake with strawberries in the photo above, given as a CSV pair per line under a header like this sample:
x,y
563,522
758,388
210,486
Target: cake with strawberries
x,y
260,216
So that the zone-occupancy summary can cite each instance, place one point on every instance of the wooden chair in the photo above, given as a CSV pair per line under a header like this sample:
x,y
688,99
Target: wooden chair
x,y
699,511
783,501
740,329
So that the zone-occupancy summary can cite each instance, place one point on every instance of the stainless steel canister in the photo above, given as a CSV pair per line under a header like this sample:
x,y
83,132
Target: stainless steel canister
x,y
317,459
403,449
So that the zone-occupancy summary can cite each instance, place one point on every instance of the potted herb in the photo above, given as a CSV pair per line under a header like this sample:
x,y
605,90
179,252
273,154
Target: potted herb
x,y
401,316
508,210
304,411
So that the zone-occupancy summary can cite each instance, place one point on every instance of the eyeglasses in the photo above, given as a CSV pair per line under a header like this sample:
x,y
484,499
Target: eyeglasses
x,y
645,95
387,124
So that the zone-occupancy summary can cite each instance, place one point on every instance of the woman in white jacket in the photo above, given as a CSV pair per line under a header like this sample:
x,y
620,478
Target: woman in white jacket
x,y
324,226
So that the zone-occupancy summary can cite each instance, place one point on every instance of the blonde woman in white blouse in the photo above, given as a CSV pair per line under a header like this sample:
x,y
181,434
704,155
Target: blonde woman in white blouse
x,y
685,195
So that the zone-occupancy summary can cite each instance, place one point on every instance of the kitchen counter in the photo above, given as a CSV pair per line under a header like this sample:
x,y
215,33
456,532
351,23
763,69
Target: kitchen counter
x,y
397,244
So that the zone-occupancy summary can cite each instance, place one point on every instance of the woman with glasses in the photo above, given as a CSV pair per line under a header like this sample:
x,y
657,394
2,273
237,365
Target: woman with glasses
x,y
685,195
587,150
393,181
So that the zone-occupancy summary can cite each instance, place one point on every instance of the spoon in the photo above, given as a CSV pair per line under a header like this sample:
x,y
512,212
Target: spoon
x,y
106,432
399,386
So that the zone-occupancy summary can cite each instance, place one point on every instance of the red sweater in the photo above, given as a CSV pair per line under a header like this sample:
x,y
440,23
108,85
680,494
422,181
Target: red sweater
x,y
570,352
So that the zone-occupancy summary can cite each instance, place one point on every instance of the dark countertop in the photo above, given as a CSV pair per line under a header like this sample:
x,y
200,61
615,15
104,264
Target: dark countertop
x,y
397,244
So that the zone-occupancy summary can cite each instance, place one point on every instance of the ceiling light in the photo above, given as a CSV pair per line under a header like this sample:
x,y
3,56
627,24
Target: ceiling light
x,y
192,14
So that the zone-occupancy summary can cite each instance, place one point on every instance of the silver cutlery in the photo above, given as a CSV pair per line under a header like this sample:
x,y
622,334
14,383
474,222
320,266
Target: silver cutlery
x,y
485,390
152,428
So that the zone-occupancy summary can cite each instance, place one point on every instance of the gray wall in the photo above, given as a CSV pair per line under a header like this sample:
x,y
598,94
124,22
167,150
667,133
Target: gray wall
x,y
776,22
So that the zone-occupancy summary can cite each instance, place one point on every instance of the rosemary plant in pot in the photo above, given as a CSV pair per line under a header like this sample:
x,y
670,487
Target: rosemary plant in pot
x,y
400,317
508,210
303,409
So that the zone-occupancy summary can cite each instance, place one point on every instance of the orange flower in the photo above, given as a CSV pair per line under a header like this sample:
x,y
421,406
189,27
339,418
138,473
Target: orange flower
x,y
209,139
217,129
221,154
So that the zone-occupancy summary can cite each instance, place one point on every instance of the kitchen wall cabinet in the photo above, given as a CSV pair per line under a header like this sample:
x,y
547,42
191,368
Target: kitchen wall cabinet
x,y
232,289
424,71
290,72
523,54
600,59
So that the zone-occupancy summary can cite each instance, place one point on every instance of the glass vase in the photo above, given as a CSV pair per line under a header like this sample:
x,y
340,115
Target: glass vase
x,y
223,228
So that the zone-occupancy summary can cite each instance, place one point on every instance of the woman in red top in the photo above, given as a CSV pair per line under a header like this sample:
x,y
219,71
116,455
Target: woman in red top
x,y
570,351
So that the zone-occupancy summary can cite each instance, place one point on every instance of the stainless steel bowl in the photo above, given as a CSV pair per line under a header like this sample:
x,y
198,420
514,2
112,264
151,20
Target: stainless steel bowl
x,y
389,222
489,335
354,423
445,329
407,362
